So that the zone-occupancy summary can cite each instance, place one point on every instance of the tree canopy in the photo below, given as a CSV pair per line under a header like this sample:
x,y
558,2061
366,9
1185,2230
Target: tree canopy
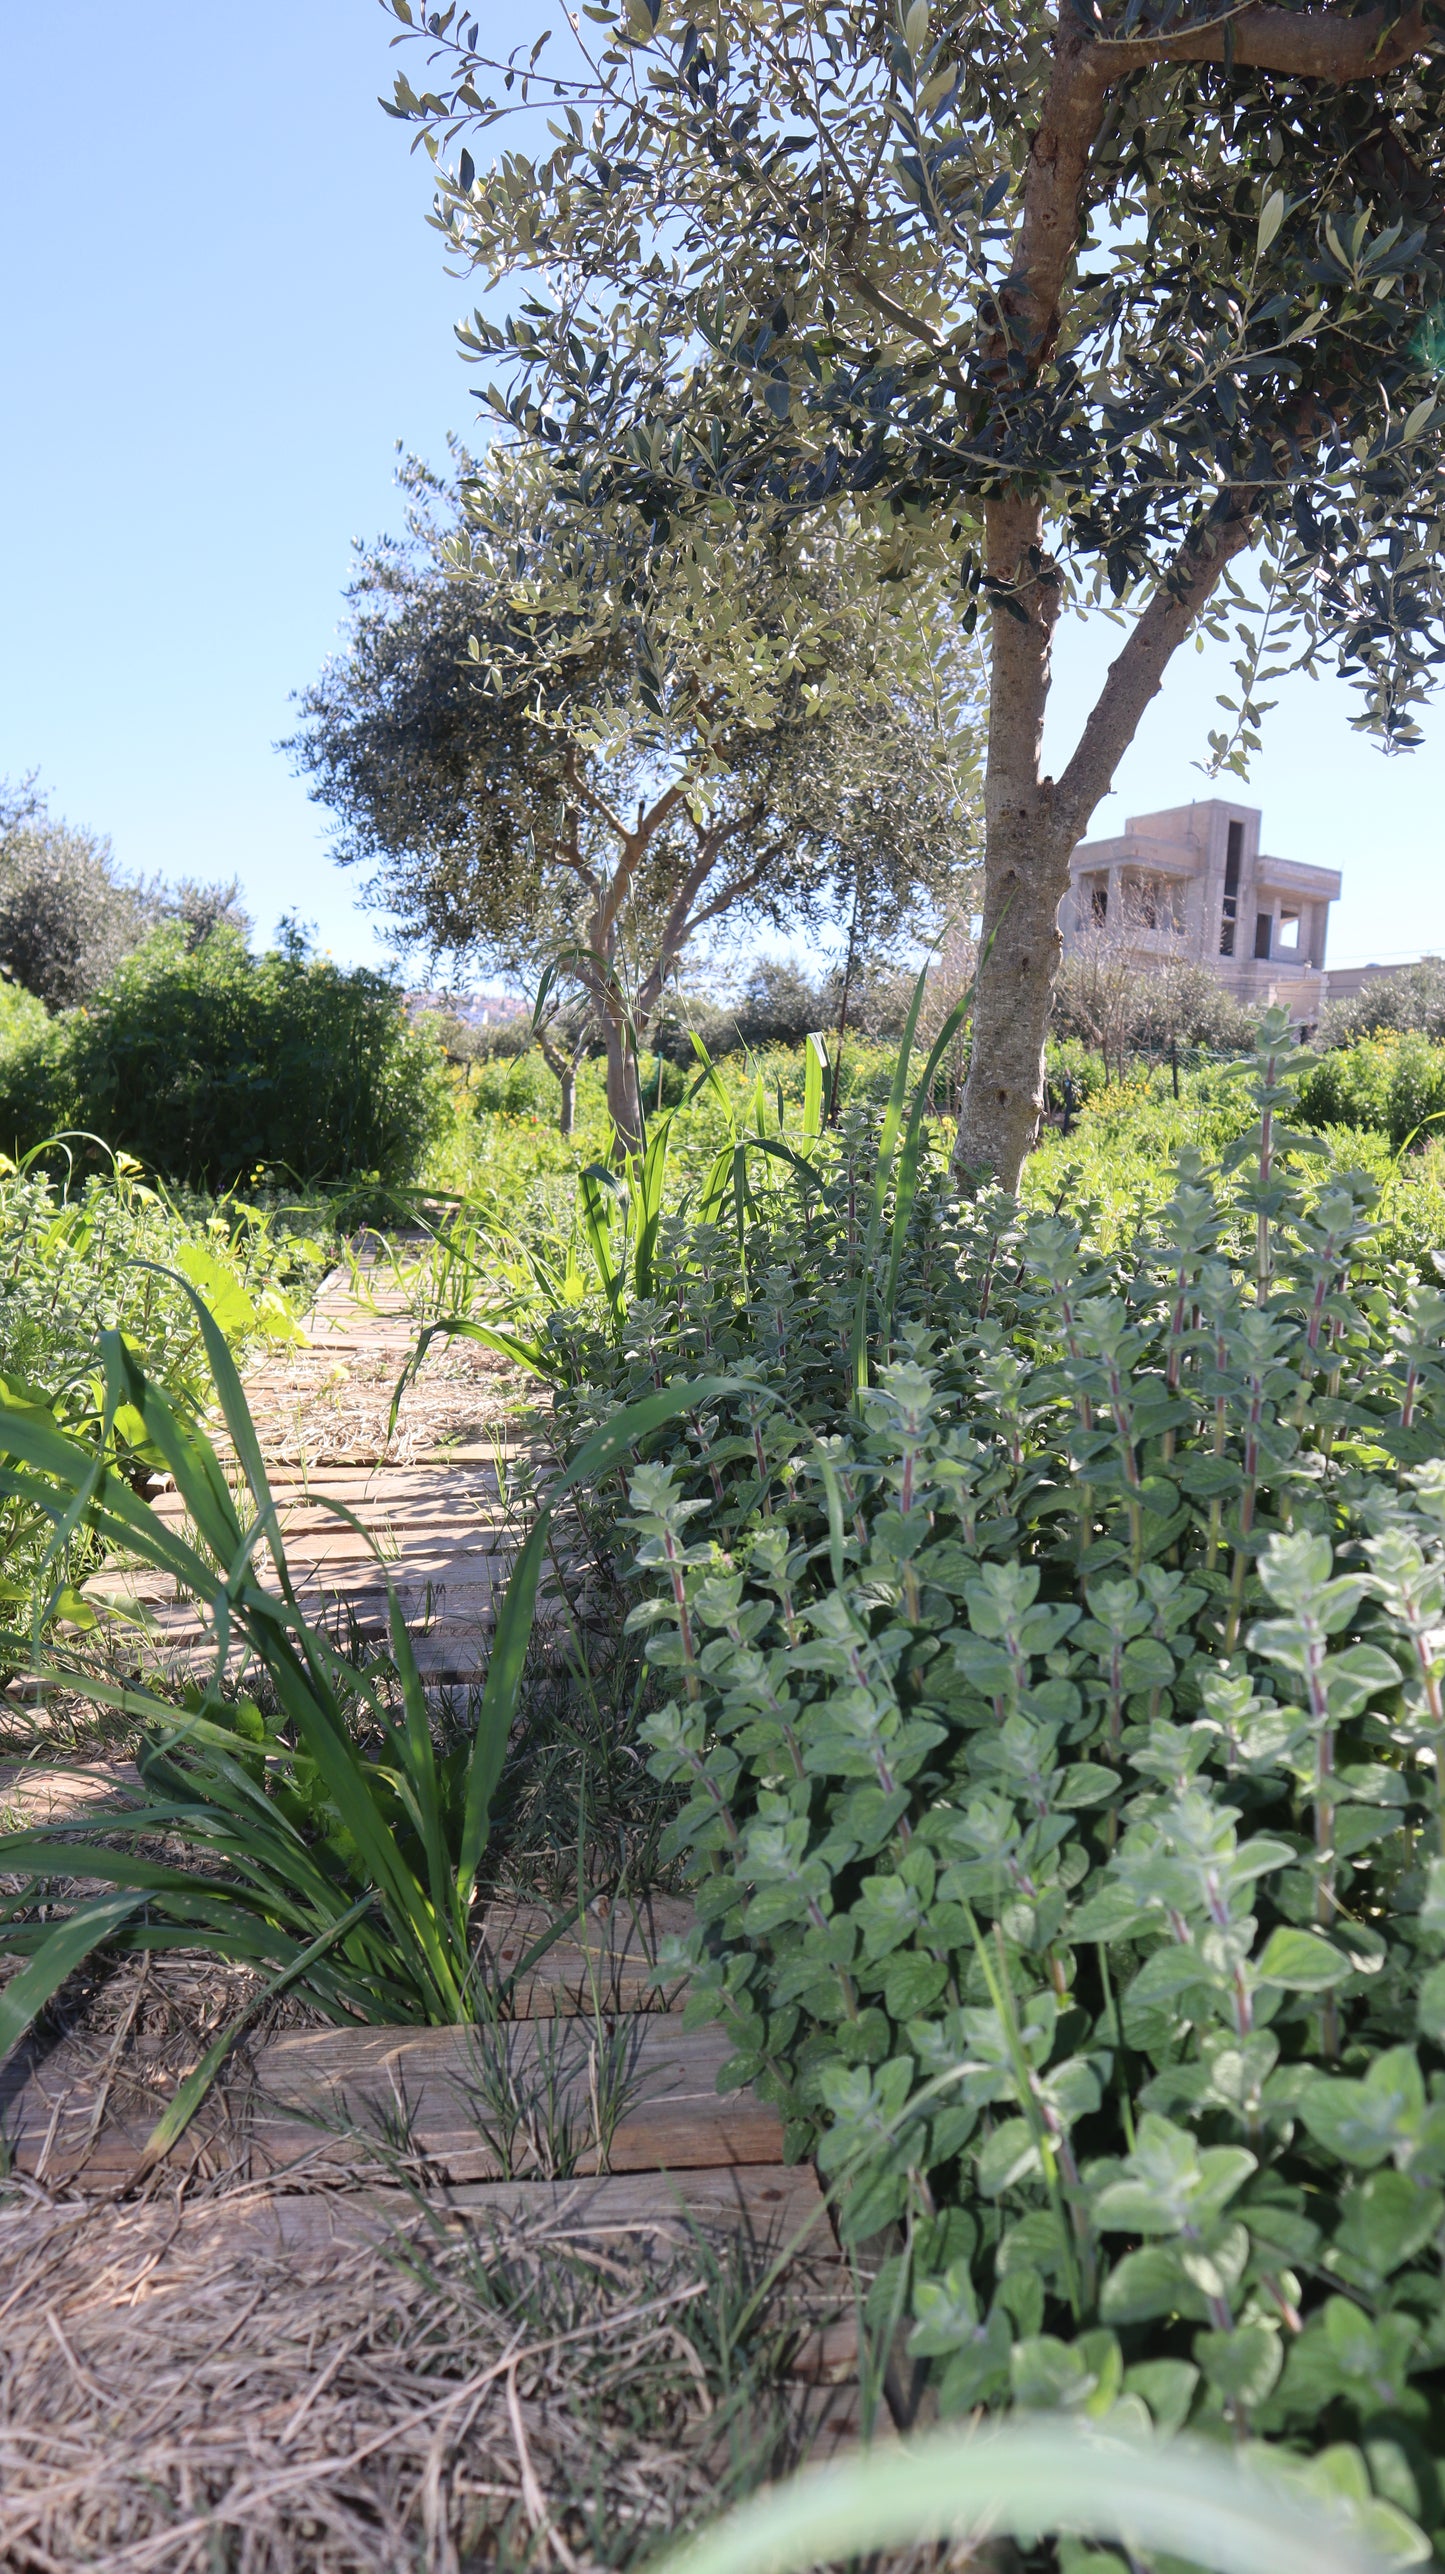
x,y
1132,302
555,745
67,914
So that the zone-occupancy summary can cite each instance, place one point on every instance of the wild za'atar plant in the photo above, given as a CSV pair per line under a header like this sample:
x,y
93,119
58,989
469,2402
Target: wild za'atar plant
x,y
1056,1727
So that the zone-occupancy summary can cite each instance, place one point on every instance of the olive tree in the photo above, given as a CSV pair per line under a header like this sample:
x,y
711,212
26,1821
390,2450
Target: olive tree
x,y
1132,303
67,916
556,746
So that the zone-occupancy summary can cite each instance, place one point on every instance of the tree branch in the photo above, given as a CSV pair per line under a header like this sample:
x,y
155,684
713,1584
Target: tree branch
x,y
1048,233
1136,672
599,805
634,846
679,924
567,848
1307,44
734,894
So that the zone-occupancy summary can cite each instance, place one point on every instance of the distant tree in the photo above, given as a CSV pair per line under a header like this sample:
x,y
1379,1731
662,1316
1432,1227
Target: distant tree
x,y
553,746
1128,302
1123,1005
563,1037
212,1065
201,909
1408,1001
780,1005
66,916
1179,1004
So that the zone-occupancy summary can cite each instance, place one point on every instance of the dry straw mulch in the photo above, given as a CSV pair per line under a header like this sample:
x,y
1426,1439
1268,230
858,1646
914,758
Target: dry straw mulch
x,y
322,1406
176,2395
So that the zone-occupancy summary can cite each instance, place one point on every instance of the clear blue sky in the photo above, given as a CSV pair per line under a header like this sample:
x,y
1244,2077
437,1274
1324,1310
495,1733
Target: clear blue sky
x,y
222,309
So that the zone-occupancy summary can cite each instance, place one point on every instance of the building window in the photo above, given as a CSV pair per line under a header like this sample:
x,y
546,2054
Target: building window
x,y
1263,924
1234,856
1099,900
1289,932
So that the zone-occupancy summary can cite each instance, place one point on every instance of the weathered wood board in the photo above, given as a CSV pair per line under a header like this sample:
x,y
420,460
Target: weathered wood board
x,y
604,1965
631,2093
638,2096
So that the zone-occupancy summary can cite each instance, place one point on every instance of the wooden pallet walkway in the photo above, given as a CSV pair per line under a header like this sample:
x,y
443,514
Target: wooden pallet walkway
x,y
427,1497
591,2108
579,2117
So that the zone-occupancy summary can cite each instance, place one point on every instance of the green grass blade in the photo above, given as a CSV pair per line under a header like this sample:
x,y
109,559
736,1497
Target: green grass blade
x,y
742,1203
815,1067
887,1145
150,1879
715,1186
429,1814
1178,2497
712,1080
592,1184
66,1947
117,1512
236,1413
653,1176
344,1774
491,1336
190,1459
182,2109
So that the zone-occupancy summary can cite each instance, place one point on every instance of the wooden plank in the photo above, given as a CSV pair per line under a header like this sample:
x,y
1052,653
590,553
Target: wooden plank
x,y
774,2204
462,2104
456,2105
471,1459
33,1793
70,2116
605,1965
640,2095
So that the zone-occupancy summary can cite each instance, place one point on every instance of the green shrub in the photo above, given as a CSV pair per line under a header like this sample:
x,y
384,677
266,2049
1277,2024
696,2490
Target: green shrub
x,y
1056,1725
512,1085
35,1092
1412,998
110,1254
1068,1059
23,1019
1395,1084
211,1065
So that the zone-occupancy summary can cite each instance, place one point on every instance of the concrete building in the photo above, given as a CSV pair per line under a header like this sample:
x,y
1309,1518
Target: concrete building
x,y
1194,886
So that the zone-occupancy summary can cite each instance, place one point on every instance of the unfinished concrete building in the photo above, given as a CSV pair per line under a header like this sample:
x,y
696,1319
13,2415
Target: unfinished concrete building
x,y
1194,886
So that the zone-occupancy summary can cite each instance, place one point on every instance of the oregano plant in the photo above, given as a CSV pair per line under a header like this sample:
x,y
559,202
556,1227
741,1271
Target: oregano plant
x,y
1055,1722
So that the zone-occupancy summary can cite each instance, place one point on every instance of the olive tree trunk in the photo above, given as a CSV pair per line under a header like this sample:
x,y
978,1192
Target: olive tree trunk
x,y
1026,860
1032,823
563,1069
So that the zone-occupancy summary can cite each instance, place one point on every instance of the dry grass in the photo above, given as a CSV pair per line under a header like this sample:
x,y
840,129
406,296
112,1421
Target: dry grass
x,y
174,2396
325,1406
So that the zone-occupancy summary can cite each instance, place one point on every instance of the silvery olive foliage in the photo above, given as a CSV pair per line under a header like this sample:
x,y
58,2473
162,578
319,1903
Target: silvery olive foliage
x,y
1132,303
553,741
1055,1720
67,917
